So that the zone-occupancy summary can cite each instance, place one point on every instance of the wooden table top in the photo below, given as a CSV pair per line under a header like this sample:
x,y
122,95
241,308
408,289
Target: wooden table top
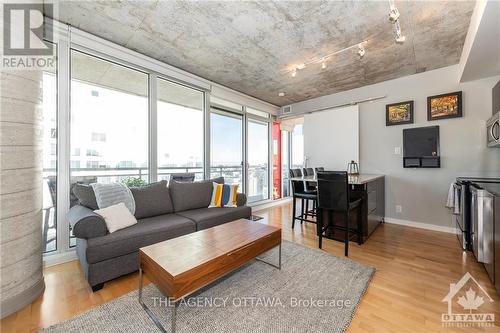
x,y
182,254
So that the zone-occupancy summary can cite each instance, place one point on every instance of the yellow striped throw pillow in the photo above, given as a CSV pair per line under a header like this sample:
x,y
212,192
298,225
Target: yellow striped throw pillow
x,y
224,195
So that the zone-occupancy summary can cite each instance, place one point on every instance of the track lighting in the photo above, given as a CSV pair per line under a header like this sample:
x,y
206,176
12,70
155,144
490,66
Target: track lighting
x,y
323,59
393,13
399,34
400,38
361,50
394,18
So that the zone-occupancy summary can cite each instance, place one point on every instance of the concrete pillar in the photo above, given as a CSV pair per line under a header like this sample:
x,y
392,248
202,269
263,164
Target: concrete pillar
x,y
20,189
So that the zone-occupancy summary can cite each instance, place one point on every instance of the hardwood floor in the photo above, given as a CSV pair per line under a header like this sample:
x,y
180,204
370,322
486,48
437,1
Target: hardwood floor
x,y
414,270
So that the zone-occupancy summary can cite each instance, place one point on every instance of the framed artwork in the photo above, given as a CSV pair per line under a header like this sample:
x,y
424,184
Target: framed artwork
x,y
399,113
444,106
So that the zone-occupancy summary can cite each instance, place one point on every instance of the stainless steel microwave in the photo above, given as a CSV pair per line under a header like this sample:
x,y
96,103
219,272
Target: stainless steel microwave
x,y
493,131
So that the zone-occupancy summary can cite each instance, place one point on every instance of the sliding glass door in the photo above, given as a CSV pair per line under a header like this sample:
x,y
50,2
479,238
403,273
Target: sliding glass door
x,y
258,160
226,143
180,129
49,185
285,162
109,123
297,147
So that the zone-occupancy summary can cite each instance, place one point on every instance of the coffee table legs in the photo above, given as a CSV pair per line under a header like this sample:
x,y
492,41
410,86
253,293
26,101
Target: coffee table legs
x,y
151,314
271,264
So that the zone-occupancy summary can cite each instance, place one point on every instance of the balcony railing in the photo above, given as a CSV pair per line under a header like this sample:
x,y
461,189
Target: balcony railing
x,y
233,174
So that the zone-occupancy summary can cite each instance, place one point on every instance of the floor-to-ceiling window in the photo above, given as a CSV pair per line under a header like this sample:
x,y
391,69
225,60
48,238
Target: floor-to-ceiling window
x,y
297,147
179,129
226,146
285,162
49,186
258,160
277,155
109,122
121,119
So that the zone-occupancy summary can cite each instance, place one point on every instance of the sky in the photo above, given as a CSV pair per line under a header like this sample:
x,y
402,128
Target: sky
x,y
123,118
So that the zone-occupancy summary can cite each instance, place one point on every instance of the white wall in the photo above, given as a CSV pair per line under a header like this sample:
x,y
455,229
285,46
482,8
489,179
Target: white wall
x,y
331,138
421,192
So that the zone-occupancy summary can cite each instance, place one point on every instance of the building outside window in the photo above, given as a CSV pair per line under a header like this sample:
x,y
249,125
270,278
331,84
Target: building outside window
x,y
297,147
180,133
111,127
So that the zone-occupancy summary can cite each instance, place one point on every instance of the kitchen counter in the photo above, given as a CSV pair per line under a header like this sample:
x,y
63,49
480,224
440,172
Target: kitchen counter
x,y
370,188
362,178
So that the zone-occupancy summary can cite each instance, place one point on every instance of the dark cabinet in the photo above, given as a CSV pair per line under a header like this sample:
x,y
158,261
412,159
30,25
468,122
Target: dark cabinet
x,y
372,194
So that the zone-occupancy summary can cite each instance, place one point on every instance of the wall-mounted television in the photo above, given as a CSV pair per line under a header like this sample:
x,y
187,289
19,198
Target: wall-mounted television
x,y
421,147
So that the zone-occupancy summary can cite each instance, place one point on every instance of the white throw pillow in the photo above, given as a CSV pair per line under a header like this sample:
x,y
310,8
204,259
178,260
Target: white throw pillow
x,y
117,217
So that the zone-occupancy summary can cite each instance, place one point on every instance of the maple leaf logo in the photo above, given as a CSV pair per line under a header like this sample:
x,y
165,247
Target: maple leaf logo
x,y
470,301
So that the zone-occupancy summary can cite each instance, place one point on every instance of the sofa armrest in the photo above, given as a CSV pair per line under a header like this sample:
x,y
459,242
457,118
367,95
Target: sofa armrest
x,y
85,223
241,199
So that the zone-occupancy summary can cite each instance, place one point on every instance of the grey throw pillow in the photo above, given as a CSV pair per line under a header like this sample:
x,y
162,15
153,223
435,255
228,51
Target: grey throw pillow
x,y
152,200
186,196
85,195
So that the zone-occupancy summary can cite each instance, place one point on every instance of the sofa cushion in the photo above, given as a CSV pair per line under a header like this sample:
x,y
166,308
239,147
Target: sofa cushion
x,y
152,200
85,195
210,217
146,232
117,217
194,195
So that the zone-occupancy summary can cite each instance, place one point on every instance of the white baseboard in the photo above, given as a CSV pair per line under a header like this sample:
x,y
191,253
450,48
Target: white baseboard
x,y
59,258
421,225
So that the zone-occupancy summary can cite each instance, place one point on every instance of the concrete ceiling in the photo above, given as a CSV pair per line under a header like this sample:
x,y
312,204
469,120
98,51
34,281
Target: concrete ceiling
x,y
246,45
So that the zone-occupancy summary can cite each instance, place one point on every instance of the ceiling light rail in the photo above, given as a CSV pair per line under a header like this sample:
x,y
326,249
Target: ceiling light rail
x,y
283,116
323,60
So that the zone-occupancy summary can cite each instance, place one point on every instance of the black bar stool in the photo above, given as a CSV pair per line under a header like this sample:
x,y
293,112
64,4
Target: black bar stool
x,y
333,196
299,192
310,187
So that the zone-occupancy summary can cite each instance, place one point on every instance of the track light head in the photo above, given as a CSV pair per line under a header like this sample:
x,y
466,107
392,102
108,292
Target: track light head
x,y
361,50
393,14
400,38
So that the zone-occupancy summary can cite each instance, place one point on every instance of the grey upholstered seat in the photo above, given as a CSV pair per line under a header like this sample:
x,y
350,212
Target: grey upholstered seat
x,y
146,232
210,217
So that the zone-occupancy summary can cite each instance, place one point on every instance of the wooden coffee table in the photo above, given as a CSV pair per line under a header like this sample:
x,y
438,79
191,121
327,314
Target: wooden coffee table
x,y
183,265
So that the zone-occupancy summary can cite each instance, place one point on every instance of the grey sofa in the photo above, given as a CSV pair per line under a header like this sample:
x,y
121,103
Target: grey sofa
x,y
163,212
